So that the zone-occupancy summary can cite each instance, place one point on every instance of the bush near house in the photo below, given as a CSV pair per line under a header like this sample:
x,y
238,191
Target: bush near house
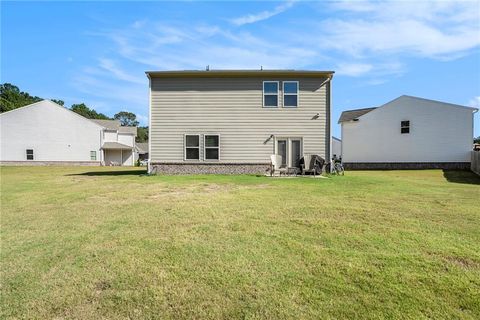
x,y
108,243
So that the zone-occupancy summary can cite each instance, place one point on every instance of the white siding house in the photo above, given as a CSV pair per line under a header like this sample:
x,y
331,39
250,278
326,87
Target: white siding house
x,y
408,132
336,147
47,133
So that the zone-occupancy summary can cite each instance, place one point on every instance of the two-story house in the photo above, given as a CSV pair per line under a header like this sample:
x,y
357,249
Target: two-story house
x,y
118,142
408,133
45,133
231,121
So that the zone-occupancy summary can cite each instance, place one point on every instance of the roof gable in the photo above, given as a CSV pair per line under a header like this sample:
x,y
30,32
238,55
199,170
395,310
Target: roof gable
x,y
353,115
44,102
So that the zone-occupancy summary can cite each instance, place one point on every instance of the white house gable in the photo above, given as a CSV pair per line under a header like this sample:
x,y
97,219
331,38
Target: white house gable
x,y
410,129
49,132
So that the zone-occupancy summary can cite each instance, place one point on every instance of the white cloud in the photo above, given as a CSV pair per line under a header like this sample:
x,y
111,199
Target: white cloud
x,y
440,30
111,67
353,69
371,40
475,102
252,18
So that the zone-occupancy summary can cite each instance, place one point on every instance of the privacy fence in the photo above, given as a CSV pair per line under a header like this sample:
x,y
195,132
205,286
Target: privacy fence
x,y
475,164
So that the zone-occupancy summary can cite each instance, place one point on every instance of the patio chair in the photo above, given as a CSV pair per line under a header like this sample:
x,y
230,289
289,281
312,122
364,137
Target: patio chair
x,y
308,164
275,165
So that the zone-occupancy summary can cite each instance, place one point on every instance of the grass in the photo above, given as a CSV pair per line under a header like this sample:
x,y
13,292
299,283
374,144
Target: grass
x,y
84,243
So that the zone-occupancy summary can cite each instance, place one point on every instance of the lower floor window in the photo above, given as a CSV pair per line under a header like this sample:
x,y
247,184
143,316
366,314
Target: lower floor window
x,y
192,147
29,154
212,147
93,155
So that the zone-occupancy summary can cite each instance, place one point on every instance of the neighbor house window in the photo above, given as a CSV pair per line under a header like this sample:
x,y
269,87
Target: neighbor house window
x,y
405,127
192,147
93,155
212,147
29,154
290,94
270,94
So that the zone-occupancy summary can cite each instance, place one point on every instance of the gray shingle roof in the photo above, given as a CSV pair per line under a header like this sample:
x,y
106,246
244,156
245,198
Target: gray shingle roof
x,y
109,124
115,145
115,125
142,147
350,115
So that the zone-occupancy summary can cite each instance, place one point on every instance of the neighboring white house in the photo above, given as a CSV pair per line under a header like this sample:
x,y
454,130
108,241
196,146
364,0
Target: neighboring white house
x,y
408,132
118,143
336,147
47,133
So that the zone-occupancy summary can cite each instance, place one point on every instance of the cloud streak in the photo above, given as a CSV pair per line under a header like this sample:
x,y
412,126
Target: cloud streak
x,y
264,15
370,41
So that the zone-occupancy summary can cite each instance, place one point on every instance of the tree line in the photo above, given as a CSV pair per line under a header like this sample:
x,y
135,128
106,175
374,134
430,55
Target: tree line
x,y
12,98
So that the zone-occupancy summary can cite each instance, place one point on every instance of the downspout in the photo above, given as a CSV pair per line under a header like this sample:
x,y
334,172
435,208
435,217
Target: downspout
x,y
149,167
329,123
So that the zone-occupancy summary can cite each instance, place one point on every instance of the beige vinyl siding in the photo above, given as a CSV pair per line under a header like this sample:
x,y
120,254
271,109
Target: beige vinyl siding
x,y
232,108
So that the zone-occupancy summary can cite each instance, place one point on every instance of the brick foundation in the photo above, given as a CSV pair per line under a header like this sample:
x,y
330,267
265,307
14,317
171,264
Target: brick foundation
x,y
406,165
203,168
50,163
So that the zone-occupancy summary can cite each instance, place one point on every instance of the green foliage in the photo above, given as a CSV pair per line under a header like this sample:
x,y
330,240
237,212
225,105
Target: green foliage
x,y
126,118
60,102
142,134
85,111
12,98
476,140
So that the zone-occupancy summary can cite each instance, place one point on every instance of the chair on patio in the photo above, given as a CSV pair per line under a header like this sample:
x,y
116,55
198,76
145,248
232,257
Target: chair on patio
x,y
276,165
309,165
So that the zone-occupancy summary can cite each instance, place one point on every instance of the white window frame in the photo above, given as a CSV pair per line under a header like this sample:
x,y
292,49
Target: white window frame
x,y
205,146
291,94
33,154
93,152
270,94
402,127
185,146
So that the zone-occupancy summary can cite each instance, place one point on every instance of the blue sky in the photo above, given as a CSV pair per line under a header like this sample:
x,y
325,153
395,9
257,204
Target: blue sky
x,y
97,52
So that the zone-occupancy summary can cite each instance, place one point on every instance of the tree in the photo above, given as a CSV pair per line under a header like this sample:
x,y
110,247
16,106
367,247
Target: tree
x,y
60,102
126,118
85,111
12,98
142,134
476,140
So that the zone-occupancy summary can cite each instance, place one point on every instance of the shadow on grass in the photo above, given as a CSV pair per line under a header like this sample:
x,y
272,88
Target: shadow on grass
x,y
465,177
138,172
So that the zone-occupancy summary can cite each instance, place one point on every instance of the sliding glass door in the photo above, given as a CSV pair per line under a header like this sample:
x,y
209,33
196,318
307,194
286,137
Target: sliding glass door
x,y
282,150
291,151
296,152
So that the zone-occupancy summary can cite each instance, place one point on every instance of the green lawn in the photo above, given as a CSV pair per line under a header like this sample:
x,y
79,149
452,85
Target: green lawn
x,y
91,243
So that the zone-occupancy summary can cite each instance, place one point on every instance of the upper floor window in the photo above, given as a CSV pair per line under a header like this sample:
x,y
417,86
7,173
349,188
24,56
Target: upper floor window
x,y
212,147
192,147
270,94
405,127
29,154
290,94
93,155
